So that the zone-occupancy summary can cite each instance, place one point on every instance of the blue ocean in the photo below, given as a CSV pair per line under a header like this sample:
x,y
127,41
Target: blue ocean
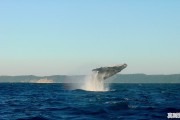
x,y
33,101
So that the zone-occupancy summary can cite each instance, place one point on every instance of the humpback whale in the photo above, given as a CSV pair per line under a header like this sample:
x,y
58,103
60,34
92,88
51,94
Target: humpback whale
x,y
106,72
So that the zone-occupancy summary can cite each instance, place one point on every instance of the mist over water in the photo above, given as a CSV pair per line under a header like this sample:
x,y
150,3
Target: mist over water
x,y
93,82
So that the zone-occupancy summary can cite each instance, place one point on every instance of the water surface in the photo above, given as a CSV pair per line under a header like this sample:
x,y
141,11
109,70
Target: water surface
x,y
28,101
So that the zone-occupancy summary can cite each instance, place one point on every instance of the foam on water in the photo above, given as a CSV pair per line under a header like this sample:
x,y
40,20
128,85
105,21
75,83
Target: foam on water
x,y
93,82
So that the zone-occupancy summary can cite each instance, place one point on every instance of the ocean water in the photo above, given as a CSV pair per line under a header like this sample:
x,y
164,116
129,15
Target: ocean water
x,y
32,101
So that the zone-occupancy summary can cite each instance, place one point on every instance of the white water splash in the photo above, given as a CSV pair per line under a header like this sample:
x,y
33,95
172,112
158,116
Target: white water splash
x,y
93,82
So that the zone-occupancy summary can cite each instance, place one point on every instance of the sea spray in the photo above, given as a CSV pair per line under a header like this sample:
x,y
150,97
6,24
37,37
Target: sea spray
x,y
93,82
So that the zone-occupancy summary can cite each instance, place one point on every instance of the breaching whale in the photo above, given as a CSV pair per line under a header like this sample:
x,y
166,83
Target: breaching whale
x,y
106,72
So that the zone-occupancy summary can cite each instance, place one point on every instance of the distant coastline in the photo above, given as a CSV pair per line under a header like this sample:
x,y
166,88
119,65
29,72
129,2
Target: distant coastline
x,y
119,78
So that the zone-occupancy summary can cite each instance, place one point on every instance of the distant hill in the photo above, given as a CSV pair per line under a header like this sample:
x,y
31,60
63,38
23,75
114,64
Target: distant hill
x,y
119,78
32,78
143,78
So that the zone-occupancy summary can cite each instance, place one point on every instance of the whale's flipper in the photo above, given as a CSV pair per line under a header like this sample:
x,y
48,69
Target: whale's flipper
x,y
106,72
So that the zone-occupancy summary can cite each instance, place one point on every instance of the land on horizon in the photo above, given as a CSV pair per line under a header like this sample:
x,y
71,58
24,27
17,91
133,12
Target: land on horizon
x,y
118,78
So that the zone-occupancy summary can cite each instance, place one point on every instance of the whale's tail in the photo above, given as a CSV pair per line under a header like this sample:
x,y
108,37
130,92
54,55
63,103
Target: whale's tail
x,y
106,72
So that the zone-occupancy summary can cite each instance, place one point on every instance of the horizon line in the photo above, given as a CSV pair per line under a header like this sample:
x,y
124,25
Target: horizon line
x,y
86,74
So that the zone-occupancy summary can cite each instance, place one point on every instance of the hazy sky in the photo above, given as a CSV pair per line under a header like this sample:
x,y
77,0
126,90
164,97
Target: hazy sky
x,y
47,37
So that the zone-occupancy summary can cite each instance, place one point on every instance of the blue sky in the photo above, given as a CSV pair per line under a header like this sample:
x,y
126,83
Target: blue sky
x,y
47,37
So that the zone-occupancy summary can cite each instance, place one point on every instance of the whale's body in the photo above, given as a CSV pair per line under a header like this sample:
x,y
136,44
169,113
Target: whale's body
x,y
106,72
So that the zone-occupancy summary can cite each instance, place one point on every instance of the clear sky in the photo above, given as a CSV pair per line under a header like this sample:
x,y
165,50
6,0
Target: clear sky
x,y
48,37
